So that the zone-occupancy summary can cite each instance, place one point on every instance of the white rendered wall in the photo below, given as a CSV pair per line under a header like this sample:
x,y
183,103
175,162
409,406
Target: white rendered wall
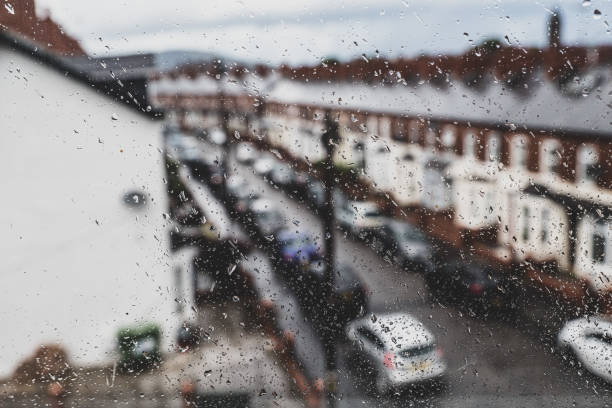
x,y
77,263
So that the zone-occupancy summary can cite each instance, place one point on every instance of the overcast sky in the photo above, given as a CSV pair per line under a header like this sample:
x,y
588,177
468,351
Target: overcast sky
x,y
297,32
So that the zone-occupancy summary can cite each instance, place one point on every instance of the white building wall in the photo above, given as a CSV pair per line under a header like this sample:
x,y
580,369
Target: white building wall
x,y
77,263
537,228
477,204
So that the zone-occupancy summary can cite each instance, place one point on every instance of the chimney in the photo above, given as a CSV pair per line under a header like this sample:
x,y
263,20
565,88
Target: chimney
x,y
554,30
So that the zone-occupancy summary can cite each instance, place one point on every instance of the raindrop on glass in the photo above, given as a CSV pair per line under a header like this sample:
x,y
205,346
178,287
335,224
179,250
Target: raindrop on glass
x,y
596,14
231,269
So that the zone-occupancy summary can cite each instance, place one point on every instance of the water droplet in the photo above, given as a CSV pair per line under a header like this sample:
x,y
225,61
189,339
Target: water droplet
x,y
231,269
114,116
586,3
269,238
596,14
9,7
237,134
236,299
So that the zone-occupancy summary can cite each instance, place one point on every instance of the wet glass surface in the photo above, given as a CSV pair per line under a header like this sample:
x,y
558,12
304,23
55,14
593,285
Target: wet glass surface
x,y
266,204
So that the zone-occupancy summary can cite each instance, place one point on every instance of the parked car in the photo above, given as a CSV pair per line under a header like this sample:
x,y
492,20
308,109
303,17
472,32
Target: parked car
x,y
217,136
397,349
266,218
208,168
314,193
346,301
297,248
246,153
184,148
467,283
264,165
240,194
282,174
589,339
361,219
404,243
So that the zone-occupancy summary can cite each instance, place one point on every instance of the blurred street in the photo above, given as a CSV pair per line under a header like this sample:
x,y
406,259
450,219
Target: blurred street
x,y
490,361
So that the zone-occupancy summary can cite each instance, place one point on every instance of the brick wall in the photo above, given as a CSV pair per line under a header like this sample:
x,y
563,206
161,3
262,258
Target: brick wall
x,y
22,19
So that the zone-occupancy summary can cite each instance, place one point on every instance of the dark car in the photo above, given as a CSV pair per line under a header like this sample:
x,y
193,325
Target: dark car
x,y
404,244
297,248
239,195
467,283
314,193
265,218
208,169
346,301
282,175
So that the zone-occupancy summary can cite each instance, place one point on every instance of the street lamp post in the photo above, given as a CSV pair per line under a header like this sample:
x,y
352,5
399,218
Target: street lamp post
x,y
329,138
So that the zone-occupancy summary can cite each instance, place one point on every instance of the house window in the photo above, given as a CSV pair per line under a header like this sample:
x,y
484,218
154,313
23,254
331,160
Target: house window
x,y
550,154
518,155
449,137
430,137
494,147
599,246
587,165
414,131
469,145
525,232
545,219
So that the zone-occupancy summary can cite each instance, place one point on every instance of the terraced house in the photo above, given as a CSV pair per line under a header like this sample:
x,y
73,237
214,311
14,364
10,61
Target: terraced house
x,y
503,150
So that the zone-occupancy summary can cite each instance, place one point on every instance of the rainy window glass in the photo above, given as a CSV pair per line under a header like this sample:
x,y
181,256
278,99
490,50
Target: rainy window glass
x,y
391,203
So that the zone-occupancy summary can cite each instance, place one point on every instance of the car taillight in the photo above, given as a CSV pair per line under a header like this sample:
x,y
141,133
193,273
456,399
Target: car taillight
x,y
476,288
388,360
439,352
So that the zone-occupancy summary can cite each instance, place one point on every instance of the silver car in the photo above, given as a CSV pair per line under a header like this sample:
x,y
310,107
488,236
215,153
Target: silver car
x,y
399,349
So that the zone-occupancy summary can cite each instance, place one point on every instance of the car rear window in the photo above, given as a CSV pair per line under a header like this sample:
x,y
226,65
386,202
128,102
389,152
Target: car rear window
x,y
417,351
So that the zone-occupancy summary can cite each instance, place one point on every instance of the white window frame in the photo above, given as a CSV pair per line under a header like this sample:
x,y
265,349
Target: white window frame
x,y
448,137
586,155
549,155
519,145
493,155
469,144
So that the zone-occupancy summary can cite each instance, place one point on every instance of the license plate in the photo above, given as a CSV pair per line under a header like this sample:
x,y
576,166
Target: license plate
x,y
421,366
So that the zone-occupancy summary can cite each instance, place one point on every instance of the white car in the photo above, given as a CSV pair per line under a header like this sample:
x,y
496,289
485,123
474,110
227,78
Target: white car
x,y
360,218
399,348
590,339
264,165
217,136
246,153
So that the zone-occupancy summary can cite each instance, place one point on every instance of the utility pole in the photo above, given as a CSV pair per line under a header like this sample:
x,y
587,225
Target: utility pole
x,y
329,138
